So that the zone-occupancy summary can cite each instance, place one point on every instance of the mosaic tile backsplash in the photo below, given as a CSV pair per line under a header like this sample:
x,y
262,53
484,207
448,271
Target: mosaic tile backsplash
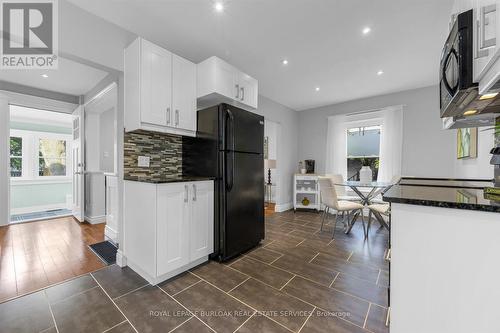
x,y
164,151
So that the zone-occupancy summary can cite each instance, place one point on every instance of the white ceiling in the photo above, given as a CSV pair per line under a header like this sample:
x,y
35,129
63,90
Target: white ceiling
x,y
30,115
321,39
70,78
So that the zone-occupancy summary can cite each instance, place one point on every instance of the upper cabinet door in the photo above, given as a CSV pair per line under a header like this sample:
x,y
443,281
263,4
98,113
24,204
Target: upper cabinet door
x,y
485,35
184,93
156,85
202,220
172,227
226,79
249,90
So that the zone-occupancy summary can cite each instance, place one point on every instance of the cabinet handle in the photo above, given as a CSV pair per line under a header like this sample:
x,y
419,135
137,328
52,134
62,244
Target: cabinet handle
x,y
242,93
186,190
237,91
176,117
168,116
194,192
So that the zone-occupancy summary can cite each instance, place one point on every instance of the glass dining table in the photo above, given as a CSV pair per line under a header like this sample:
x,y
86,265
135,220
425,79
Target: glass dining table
x,y
366,191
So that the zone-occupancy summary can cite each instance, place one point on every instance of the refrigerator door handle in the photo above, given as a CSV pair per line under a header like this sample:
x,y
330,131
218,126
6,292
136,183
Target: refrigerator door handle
x,y
230,130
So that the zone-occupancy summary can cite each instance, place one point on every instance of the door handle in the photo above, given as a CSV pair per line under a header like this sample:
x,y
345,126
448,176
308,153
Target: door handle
x,y
168,116
186,190
194,192
237,91
176,117
242,93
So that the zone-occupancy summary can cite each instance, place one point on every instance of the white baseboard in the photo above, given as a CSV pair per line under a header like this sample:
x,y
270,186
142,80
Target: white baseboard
x,y
32,209
96,219
283,207
110,234
121,260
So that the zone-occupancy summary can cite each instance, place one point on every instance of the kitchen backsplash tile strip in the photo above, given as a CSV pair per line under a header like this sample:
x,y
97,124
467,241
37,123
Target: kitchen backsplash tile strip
x,y
164,151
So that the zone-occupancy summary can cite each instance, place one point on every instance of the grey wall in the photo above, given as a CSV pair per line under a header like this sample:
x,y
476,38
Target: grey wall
x,y
287,146
427,149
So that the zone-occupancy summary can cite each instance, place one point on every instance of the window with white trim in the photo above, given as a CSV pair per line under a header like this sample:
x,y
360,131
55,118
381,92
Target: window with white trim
x,y
16,156
39,155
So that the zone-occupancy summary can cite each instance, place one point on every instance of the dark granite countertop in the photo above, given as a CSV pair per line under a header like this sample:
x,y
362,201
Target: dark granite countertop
x,y
166,180
442,196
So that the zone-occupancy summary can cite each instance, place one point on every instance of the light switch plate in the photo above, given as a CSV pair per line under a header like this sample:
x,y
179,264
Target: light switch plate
x,y
143,161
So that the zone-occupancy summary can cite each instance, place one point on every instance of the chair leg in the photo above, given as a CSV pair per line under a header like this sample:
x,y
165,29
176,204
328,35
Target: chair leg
x,y
363,223
335,224
324,216
369,223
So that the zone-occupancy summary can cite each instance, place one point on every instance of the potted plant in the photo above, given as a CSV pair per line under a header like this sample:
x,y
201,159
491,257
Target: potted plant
x,y
365,174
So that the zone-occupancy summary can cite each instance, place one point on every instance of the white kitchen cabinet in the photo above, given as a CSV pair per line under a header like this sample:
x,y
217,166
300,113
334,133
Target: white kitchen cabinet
x,y
201,233
485,36
160,90
156,84
172,227
220,82
168,228
184,93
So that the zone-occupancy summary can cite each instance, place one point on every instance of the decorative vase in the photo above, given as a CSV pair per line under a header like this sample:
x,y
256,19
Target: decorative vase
x,y
305,201
303,171
365,174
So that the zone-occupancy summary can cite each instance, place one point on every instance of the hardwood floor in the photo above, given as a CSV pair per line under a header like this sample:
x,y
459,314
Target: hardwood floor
x,y
269,208
38,254
298,280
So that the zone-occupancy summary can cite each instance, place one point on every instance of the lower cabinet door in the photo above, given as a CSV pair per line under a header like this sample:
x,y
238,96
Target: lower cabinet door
x,y
172,227
202,220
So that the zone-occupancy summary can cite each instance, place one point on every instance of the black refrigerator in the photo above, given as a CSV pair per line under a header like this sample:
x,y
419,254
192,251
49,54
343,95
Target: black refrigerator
x,y
230,147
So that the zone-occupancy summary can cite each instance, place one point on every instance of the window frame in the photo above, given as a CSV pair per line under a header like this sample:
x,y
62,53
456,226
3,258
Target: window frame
x,y
30,164
22,157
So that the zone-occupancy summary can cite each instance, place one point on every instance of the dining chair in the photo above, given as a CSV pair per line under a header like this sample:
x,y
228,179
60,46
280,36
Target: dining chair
x,y
329,198
341,190
380,208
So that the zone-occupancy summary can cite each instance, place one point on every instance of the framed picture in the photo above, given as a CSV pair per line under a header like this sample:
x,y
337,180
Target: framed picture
x,y
466,143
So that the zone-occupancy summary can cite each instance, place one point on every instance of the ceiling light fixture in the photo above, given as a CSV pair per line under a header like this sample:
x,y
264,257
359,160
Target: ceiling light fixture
x,y
219,7
317,89
470,112
45,76
285,62
380,72
366,30
488,96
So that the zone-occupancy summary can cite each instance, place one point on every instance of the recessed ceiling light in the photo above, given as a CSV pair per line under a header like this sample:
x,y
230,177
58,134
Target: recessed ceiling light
x,y
284,62
317,88
45,75
488,96
219,6
470,112
366,30
380,72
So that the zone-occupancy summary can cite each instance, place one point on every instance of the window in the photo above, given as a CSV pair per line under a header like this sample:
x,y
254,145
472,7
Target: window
x,y
51,157
39,155
363,149
16,156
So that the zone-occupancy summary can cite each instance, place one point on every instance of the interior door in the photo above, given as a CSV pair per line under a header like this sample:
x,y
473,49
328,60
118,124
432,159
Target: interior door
x,y
78,165
202,220
184,93
156,85
172,227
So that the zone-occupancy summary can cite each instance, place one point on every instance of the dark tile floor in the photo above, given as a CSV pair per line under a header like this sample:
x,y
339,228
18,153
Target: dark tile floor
x,y
298,280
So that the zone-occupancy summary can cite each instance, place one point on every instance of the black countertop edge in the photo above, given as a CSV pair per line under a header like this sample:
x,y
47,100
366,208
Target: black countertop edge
x,y
169,180
442,197
444,204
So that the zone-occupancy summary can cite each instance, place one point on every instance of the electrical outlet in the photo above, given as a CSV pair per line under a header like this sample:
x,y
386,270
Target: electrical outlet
x,y
143,161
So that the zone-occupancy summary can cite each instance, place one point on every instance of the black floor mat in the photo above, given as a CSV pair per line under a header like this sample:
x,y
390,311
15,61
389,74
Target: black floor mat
x,y
106,251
